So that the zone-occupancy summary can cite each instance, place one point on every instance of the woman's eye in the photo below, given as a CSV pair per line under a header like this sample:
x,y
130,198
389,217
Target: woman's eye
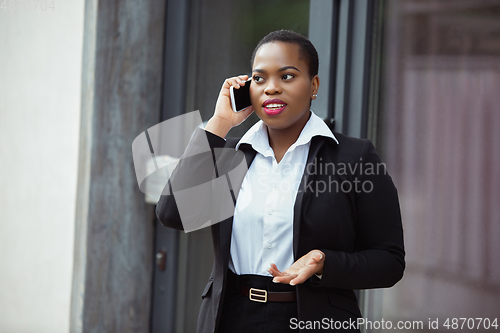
x,y
288,76
256,78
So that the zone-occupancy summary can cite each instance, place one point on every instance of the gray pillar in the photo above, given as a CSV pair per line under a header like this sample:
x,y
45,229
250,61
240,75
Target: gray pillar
x,y
323,16
121,97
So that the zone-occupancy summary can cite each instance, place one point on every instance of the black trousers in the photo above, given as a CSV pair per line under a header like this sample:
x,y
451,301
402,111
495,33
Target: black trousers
x,y
242,315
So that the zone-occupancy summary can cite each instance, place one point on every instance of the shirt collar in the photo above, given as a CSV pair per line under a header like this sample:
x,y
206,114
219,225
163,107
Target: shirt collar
x,y
257,136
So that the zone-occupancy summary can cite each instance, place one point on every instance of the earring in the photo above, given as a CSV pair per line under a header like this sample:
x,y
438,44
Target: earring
x,y
315,95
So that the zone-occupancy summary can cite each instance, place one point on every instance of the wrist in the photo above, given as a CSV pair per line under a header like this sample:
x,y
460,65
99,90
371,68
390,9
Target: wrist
x,y
321,265
218,126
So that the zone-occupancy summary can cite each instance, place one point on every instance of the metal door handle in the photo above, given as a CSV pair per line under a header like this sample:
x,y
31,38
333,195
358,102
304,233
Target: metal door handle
x,y
161,260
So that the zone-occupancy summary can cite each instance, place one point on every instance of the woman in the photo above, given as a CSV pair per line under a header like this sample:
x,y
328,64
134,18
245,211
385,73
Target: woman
x,y
315,217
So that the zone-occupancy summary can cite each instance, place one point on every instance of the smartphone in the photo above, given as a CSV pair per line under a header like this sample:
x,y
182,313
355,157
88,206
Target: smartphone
x,y
240,98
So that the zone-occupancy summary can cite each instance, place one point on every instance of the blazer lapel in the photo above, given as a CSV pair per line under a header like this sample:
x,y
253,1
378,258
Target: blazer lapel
x,y
226,227
316,144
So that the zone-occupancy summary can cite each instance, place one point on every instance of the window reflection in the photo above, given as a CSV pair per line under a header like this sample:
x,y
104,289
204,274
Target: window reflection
x,y
439,134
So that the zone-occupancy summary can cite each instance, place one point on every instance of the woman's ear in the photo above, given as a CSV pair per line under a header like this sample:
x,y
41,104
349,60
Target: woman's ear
x,y
314,86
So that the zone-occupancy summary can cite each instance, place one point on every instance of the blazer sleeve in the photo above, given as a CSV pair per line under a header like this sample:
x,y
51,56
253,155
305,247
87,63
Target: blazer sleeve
x,y
196,167
378,261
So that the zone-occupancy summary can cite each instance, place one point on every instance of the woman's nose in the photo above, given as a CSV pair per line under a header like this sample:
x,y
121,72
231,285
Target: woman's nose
x,y
272,87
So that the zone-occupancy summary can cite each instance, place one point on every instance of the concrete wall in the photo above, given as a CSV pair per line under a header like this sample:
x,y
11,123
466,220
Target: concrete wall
x,y
40,86
122,70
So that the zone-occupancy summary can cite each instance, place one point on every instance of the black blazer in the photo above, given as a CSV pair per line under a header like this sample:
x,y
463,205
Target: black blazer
x,y
358,229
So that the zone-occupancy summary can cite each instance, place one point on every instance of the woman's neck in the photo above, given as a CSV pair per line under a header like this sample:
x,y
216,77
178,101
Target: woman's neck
x,y
281,139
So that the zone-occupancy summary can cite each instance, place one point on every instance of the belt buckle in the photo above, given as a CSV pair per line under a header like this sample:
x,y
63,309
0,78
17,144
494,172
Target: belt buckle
x,y
261,293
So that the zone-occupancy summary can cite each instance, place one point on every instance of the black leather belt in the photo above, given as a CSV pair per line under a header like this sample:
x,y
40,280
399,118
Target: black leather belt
x,y
261,295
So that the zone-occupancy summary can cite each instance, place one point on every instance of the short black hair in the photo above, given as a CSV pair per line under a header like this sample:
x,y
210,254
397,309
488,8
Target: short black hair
x,y
307,50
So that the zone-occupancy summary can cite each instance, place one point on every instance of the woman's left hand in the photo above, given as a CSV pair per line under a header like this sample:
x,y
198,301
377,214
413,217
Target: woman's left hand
x,y
301,270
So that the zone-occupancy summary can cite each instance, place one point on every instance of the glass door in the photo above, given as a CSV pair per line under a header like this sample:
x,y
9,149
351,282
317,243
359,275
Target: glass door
x,y
438,131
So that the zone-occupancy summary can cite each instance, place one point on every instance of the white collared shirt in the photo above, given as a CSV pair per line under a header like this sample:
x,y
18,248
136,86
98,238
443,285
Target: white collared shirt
x,y
263,218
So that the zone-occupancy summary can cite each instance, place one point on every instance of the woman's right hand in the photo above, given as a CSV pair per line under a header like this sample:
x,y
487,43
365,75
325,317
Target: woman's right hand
x,y
224,117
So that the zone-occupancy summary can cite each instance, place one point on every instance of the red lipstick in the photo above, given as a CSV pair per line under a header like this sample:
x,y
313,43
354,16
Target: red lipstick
x,y
273,107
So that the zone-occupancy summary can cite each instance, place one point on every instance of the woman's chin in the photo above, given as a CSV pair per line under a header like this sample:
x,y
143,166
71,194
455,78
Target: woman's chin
x,y
275,125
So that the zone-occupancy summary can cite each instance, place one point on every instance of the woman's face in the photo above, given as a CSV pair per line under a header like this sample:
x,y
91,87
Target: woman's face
x,y
281,89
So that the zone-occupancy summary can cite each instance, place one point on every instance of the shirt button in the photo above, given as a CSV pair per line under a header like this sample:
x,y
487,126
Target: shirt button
x,y
269,246
270,212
